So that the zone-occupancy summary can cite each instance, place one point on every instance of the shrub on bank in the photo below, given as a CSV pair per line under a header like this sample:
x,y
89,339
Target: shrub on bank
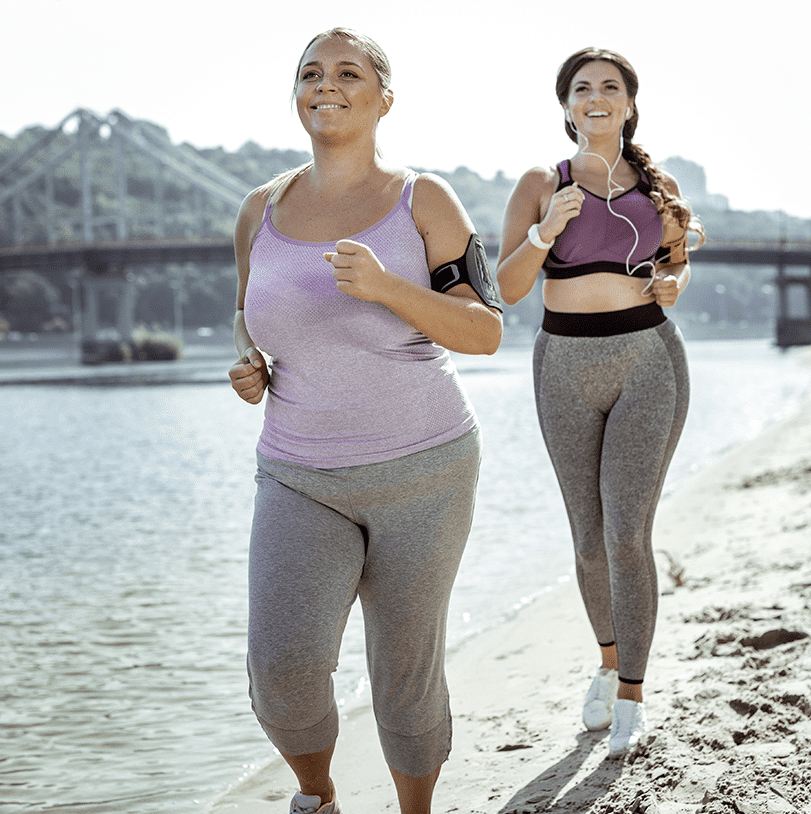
x,y
158,347
143,347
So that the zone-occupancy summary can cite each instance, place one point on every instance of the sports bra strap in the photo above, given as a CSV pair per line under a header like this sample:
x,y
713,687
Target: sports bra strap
x,y
643,184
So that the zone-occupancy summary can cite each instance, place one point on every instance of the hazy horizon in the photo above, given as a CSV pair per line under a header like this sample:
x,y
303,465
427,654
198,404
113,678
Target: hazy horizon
x,y
473,81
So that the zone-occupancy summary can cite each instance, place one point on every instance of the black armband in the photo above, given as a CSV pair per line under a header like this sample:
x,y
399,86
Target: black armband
x,y
471,268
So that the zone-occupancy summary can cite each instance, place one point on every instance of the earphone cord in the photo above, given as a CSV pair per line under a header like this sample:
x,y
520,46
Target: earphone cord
x,y
613,187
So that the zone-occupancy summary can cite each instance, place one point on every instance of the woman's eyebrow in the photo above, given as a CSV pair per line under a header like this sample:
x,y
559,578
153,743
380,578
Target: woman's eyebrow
x,y
317,64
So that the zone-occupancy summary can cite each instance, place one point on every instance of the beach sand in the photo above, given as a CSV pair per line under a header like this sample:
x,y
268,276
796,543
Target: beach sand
x,y
727,691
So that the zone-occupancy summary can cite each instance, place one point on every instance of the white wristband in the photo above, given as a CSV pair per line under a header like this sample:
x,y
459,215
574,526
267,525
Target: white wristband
x,y
534,236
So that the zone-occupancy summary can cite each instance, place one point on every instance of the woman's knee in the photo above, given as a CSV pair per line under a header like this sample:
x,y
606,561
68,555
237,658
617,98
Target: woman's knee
x,y
289,686
589,546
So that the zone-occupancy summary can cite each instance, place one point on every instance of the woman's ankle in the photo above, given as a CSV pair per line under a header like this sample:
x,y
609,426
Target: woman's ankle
x,y
629,692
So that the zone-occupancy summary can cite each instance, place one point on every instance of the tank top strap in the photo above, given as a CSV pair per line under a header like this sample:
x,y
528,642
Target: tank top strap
x,y
266,216
408,188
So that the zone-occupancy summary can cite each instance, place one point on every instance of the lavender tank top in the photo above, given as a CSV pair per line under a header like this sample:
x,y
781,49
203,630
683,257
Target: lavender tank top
x,y
351,382
597,241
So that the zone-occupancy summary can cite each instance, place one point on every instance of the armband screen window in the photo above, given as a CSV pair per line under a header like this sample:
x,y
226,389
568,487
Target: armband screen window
x,y
471,268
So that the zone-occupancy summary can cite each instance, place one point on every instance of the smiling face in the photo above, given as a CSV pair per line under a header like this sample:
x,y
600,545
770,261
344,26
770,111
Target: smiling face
x,y
338,93
598,101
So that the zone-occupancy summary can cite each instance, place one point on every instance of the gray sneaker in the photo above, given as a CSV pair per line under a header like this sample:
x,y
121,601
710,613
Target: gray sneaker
x,y
311,804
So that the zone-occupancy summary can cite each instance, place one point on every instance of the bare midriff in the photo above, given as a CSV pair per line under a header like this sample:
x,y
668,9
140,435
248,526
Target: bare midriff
x,y
594,293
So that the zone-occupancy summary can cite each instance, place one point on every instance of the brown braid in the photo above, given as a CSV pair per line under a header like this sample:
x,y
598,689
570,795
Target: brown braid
x,y
668,205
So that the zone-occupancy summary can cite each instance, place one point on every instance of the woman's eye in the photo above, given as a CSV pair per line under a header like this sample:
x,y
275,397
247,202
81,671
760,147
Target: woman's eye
x,y
308,75
349,73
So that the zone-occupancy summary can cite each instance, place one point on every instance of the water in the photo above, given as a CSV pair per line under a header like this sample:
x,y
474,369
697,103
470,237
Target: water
x,y
124,521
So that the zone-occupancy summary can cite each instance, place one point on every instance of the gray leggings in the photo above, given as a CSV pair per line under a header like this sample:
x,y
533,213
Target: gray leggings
x,y
611,410
392,533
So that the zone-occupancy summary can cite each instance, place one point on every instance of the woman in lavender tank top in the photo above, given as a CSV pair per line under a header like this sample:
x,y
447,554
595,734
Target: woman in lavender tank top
x,y
609,230
369,454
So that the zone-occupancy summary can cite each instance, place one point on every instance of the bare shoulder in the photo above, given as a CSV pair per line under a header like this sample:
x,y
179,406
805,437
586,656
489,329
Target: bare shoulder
x,y
251,212
255,201
537,184
432,192
541,177
531,195
435,202
441,220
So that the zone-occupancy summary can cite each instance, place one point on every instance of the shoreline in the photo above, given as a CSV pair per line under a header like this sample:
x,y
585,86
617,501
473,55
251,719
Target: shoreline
x,y
55,359
727,692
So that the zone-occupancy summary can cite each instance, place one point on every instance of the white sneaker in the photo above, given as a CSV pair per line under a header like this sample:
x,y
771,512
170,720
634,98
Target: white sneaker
x,y
311,804
628,726
600,699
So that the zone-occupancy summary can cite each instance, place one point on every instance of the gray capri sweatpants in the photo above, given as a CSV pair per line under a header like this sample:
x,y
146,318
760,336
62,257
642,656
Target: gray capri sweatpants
x,y
611,410
392,533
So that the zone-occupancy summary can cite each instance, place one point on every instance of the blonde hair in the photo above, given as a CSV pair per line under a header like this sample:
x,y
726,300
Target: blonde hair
x,y
278,186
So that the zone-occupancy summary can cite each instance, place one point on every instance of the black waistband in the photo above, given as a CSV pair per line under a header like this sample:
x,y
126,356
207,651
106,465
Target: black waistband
x,y
606,323
561,272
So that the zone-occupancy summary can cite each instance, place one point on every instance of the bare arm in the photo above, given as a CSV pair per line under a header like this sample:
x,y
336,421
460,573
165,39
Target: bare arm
x,y
249,376
457,320
534,200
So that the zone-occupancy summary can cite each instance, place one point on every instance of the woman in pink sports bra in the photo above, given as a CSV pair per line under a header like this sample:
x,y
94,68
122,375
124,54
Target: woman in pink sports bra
x,y
356,277
608,228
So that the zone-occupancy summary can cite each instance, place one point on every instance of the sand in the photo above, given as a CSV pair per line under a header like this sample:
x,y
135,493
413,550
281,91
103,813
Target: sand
x,y
727,692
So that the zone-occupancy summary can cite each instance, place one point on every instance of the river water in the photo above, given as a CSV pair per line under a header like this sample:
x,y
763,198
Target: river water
x,y
124,523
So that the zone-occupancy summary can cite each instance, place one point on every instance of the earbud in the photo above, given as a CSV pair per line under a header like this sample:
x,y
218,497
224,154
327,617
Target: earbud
x,y
627,112
568,116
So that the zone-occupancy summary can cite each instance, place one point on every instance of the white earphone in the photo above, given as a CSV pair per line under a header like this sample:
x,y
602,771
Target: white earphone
x,y
613,187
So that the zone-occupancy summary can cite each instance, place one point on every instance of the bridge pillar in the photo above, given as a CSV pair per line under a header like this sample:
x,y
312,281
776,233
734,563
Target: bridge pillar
x,y
111,342
793,308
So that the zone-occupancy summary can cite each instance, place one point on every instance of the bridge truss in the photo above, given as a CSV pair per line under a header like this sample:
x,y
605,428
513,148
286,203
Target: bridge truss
x,y
38,185
100,194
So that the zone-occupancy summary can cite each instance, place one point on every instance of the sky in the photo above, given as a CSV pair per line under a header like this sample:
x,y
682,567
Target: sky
x,y
722,84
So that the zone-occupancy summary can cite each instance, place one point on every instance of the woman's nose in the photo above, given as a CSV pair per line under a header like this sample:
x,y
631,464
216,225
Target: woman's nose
x,y
325,83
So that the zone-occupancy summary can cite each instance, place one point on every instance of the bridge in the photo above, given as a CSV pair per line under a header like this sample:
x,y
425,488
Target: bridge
x,y
108,229
109,226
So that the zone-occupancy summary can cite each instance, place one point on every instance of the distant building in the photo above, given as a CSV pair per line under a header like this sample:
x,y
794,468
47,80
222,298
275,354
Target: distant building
x,y
693,184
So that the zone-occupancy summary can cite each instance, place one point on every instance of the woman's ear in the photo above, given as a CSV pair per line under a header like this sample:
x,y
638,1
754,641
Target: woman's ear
x,y
388,101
